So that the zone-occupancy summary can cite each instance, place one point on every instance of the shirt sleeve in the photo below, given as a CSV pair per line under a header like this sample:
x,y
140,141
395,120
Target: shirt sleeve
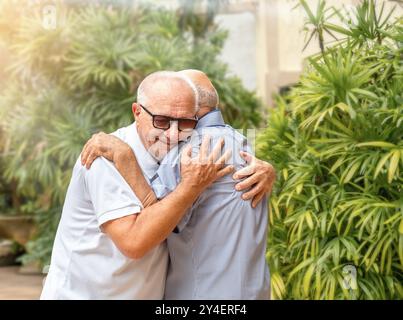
x,y
109,193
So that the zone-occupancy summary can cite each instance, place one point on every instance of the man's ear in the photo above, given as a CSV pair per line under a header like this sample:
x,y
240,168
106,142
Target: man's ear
x,y
136,109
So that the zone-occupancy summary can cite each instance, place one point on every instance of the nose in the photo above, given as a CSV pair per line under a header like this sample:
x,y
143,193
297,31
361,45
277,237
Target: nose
x,y
172,134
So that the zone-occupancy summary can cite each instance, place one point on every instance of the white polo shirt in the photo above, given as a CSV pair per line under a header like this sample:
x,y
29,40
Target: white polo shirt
x,y
85,262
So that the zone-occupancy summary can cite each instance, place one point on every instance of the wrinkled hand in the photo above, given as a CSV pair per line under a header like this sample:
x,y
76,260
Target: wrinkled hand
x,y
201,171
260,177
102,145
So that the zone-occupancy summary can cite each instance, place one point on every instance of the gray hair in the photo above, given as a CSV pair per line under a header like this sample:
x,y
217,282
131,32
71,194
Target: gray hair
x,y
207,98
142,90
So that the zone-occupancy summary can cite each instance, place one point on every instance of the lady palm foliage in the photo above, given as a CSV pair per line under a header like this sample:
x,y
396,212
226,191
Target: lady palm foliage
x,y
68,82
317,22
336,221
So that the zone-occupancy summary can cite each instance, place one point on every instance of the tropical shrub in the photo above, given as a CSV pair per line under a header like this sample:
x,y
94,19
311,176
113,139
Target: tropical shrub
x,y
336,219
79,76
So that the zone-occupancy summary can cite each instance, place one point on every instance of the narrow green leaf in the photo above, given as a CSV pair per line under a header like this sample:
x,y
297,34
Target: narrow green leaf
x,y
394,162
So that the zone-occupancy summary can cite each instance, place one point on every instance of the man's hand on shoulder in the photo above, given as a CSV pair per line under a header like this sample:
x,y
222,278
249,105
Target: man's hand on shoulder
x,y
259,176
103,145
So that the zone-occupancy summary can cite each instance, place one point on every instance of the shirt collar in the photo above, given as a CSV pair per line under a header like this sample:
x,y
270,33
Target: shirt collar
x,y
148,164
211,119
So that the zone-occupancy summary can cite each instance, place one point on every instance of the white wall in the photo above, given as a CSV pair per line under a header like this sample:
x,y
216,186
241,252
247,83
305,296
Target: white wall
x,y
240,48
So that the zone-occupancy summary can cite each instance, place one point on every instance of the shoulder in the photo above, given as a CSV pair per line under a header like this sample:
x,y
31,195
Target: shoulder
x,y
234,139
217,132
123,133
100,168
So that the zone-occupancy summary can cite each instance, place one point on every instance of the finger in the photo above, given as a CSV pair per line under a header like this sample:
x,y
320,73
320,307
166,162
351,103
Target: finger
x,y
270,187
247,183
224,158
215,154
88,147
91,159
84,152
247,156
204,148
186,154
253,192
87,160
269,182
245,172
223,172
83,155
257,199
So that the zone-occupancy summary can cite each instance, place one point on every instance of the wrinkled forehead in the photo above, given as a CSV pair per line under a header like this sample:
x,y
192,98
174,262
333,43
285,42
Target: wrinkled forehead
x,y
172,97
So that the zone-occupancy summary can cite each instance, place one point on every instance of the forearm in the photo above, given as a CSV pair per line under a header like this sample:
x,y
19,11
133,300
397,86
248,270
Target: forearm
x,y
154,224
158,218
126,163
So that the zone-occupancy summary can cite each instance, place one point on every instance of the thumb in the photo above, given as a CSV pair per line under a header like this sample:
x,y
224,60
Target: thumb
x,y
186,153
246,156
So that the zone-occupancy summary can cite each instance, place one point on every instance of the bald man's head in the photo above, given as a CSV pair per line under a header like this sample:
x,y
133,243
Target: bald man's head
x,y
208,96
165,83
169,94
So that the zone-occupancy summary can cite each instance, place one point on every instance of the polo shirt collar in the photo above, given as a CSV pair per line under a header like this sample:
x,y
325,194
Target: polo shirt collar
x,y
212,119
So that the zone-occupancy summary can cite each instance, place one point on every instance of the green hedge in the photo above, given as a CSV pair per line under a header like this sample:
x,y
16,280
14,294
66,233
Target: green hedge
x,y
336,141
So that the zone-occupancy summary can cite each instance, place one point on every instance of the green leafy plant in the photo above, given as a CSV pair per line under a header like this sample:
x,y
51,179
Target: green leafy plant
x,y
336,218
315,23
80,77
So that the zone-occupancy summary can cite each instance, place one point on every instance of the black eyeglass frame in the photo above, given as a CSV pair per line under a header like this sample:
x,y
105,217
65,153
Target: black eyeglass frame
x,y
195,119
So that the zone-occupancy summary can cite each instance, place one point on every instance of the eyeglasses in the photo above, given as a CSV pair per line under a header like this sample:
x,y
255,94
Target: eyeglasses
x,y
164,122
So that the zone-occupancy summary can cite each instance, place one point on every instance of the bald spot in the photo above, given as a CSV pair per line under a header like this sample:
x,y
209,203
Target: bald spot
x,y
168,90
208,96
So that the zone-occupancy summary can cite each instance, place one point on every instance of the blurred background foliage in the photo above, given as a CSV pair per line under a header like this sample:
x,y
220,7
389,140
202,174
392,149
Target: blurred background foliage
x,y
64,83
336,142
